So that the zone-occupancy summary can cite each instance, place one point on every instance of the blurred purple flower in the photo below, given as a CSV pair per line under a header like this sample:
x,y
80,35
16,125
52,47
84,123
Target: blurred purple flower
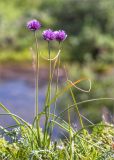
x,y
60,35
48,35
33,25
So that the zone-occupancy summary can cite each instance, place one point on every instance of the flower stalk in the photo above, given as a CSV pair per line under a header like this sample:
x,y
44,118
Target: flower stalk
x,y
37,86
48,35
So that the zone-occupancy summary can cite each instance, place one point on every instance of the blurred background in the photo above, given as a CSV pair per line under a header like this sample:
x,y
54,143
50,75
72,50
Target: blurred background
x,y
87,52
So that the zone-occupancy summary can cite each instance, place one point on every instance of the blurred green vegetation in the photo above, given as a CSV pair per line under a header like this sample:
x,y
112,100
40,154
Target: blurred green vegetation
x,y
90,43
88,23
102,77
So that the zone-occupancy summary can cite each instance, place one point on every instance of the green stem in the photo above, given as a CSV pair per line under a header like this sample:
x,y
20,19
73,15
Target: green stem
x,y
57,81
50,70
37,83
76,107
70,137
56,90
49,73
47,107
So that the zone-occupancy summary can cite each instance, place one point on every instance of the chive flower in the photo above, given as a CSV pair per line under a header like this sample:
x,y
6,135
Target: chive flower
x,y
48,35
60,35
33,25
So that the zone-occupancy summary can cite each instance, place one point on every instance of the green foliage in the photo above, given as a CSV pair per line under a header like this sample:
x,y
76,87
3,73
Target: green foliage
x,y
101,75
90,39
96,145
89,25
90,35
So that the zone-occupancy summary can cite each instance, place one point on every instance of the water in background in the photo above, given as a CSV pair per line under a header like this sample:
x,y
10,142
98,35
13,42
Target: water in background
x,y
19,97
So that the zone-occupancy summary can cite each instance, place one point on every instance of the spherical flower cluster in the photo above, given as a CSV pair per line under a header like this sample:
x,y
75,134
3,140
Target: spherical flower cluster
x,y
48,35
33,25
60,35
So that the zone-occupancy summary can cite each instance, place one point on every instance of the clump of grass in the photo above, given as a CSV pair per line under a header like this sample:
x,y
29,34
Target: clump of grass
x,y
28,141
81,145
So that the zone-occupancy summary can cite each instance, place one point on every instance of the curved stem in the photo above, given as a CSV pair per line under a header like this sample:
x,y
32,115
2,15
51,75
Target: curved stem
x,y
76,106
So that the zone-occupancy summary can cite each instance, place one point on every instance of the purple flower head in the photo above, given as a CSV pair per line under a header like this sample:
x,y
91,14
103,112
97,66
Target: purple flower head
x,y
60,35
48,35
33,25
